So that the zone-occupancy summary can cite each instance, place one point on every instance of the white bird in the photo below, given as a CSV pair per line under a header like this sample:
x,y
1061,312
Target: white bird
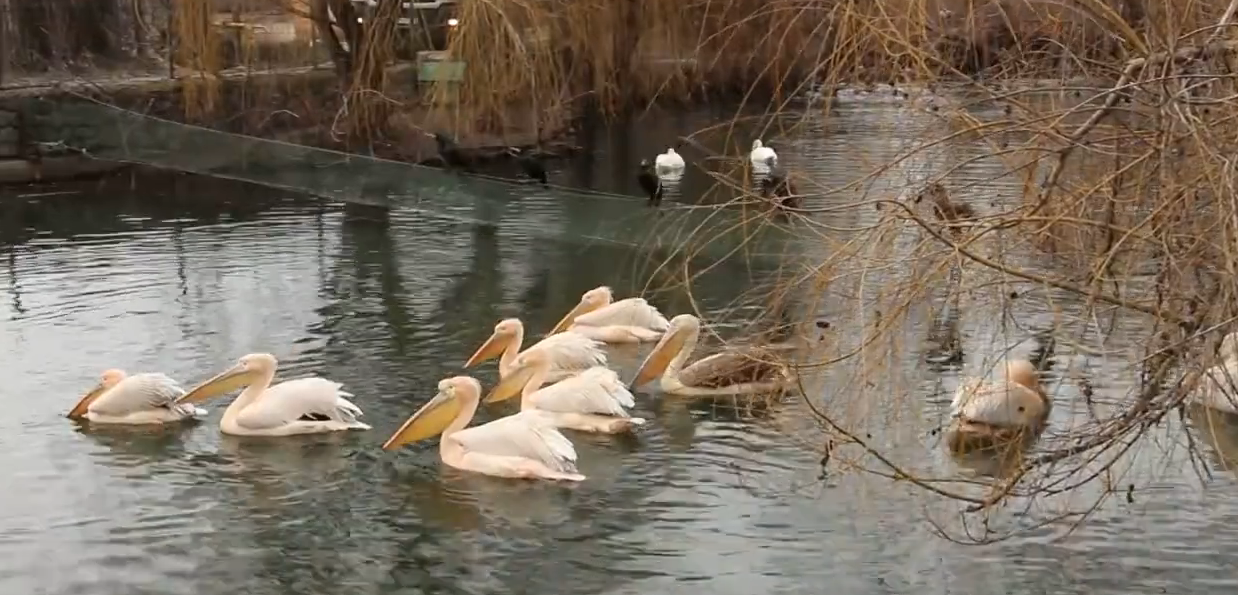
x,y
599,317
760,155
1218,389
989,415
302,406
592,401
520,446
669,162
570,353
138,399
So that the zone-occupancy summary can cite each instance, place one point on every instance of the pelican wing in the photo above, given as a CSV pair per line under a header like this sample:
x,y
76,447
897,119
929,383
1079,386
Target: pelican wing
x,y
301,399
1000,404
140,392
735,366
571,351
630,312
525,435
1219,388
596,390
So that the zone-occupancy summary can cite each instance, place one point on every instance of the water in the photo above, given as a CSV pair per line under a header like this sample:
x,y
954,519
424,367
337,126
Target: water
x,y
185,276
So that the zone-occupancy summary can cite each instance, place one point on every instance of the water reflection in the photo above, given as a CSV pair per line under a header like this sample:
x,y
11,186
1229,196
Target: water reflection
x,y
390,302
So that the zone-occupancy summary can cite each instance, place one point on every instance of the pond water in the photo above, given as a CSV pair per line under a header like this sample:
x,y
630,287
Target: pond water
x,y
183,276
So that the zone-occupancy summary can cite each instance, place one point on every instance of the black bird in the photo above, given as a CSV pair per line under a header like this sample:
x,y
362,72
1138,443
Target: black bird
x,y
451,153
778,184
649,182
531,164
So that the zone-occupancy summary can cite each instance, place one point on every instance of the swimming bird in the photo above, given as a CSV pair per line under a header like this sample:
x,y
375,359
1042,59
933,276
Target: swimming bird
x,y
592,401
531,164
521,446
778,184
995,415
735,371
1218,389
569,352
302,406
451,153
600,318
943,208
761,154
148,398
649,182
669,162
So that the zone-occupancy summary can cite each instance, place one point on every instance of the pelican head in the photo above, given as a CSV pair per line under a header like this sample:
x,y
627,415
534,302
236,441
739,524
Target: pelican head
x,y
524,367
589,301
453,395
674,340
670,150
756,144
1022,372
111,377
504,333
1229,347
247,369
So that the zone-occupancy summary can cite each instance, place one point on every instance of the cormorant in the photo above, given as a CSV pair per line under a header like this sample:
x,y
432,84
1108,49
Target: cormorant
x,y
531,165
649,182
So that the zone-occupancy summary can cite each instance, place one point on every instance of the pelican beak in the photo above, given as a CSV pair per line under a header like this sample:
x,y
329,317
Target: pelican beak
x,y
234,379
511,385
580,309
430,420
79,410
492,348
660,358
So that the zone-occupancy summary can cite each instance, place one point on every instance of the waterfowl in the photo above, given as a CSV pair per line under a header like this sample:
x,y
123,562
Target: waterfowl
x,y
1218,389
943,208
303,406
649,182
600,318
531,164
570,353
761,155
451,153
669,162
148,398
992,416
735,371
521,446
778,184
592,401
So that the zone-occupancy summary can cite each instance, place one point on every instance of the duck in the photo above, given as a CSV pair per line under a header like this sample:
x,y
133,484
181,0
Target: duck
x,y
531,164
669,162
943,208
761,155
649,182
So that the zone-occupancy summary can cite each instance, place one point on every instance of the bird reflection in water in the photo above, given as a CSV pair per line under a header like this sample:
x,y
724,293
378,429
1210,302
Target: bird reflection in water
x,y
131,445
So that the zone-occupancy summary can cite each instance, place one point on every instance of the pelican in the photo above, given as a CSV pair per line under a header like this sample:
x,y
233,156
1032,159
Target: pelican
x,y
736,371
669,162
569,352
761,154
522,446
138,399
302,406
1219,389
600,318
994,414
592,401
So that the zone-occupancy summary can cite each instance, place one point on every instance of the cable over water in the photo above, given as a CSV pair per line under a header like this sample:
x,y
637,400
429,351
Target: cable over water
x,y
132,137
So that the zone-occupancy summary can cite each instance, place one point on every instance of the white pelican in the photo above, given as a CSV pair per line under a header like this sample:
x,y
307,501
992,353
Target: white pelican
x,y
522,446
592,401
761,155
736,371
138,399
569,352
302,406
669,162
1218,389
993,415
599,317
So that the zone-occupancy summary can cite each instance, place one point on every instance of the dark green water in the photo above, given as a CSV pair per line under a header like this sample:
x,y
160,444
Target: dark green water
x,y
183,277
